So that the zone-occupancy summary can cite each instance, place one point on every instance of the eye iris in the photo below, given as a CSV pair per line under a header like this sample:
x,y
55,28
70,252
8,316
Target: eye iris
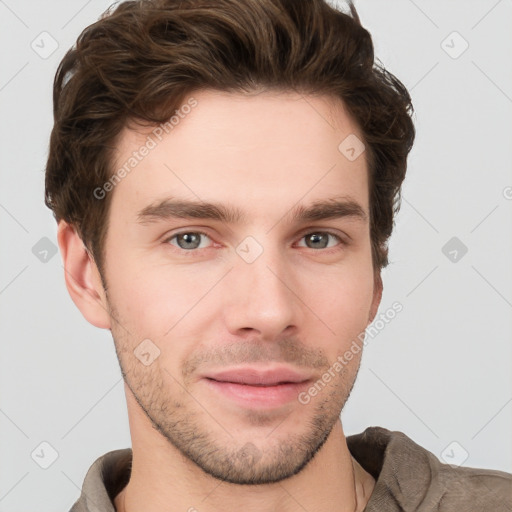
x,y
188,240
315,238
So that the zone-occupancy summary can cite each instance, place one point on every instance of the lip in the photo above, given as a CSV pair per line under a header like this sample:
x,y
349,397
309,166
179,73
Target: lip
x,y
251,387
259,377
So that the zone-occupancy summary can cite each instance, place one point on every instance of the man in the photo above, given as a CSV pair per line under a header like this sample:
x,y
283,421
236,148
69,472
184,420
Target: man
x,y
225,176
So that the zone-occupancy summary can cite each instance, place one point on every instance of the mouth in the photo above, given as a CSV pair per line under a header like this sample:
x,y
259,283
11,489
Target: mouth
x,y
254,388
256,376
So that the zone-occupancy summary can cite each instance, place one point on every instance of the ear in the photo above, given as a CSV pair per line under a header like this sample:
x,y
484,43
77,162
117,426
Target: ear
x,y
377,296
83,279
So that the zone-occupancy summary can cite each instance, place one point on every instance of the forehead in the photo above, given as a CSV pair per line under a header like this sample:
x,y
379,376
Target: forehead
x,y
267,148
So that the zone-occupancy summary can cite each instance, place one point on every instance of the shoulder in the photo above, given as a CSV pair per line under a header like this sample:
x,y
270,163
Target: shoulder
x,y
411,477
106,477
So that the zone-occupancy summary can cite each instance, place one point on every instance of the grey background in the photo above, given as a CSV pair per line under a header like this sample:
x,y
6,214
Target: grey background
x,y
439,372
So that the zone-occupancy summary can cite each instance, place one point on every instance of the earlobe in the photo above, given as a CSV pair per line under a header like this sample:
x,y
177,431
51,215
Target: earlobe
x,y
82,277
377,296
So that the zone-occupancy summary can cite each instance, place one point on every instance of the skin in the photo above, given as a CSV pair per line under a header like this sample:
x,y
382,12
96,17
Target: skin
x,y
206,308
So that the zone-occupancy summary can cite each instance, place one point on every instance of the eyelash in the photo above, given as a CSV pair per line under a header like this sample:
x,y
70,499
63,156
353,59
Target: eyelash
x,y
341,241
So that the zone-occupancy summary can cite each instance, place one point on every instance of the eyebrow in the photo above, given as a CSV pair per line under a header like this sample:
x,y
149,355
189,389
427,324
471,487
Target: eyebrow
x,y
190,209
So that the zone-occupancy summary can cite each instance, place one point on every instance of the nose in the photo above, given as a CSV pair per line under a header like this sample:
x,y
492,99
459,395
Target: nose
x,y
260,299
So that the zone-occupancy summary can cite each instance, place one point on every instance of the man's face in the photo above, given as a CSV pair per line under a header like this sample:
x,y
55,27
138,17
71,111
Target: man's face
x,y
266,290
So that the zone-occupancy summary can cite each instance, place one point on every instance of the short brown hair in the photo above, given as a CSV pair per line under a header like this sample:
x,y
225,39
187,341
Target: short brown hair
x,y
141,59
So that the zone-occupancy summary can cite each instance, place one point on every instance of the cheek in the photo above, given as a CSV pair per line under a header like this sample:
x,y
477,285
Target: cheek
x,y
342,303
165,304
155,291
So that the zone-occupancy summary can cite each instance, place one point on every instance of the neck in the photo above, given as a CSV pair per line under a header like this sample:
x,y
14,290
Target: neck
x,y
163,479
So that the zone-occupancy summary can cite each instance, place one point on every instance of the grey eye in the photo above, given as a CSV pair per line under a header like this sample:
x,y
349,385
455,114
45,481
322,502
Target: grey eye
x,y
317,240
188,240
